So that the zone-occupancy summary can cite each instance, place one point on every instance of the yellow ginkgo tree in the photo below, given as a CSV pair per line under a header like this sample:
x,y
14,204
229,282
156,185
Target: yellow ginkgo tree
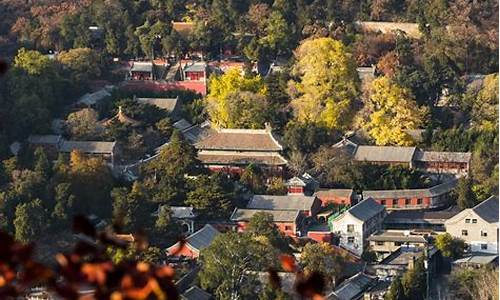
x,y
327,84
392,111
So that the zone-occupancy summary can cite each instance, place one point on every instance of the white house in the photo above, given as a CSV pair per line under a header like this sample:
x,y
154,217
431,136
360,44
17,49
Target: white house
x,y
355,225
477,226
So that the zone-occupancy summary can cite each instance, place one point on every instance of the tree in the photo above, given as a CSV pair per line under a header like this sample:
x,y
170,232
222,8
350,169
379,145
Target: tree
x,y
328,85
392,111
465,195
484,107
276,186
449,246
131,209
176,159
396,291
247,110
229,265
30,221
261,225
64,207
82,63
252,178
208,197
414,281
475,284
31,61
221,87
42,164
83,124
322,258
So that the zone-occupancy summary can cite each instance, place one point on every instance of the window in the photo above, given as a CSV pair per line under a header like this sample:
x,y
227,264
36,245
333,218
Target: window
x,y
484,246
350,240
467,220
350,228
288,227
382,202
380,243
407,201
465,233
474,221
484,233
420,201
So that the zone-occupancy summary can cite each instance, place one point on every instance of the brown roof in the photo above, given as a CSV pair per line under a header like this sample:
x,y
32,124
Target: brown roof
x,y
384,153
90,147
183,28
348,193
241,140
240,158
122,118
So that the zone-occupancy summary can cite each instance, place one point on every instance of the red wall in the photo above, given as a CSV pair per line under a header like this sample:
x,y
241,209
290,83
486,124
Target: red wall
x,y
320,236
325,200
280,225
195,86
183,251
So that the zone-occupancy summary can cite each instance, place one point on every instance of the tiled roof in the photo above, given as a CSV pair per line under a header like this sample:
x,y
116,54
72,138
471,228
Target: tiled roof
x,y
488,209
182,124
44,139
241,140
430,156
479,258
407,216
288,202
366,209
122,118
168,104
245,214
89,147
240,158
195,293
384,154
142,67
330,193
392,236
197,133
353,287
202,238
93,98
182,212
195,67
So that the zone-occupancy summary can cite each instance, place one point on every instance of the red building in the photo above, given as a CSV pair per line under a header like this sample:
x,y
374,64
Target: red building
x,y
191,247
433,197
303,184
288,222
141,71
195,71
308,206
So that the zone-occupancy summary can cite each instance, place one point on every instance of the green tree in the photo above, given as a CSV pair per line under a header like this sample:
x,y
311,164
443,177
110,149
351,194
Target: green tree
x,y
261,225
30,221
464,194
228,265
322,258
414,281
392,111
328,85
42,164
396,291
252,178
450,246
208,197
82,63
131,209
231,83
32,62
247,110
64,207
484,107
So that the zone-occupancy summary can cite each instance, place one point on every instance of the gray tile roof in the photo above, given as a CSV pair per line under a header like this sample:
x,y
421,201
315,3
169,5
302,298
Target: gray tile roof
x,y
168,104
44,139
384,154
353,288
195,67
488,209
182,212
479,258
241,157
366,209
288,202
89,147
182,124
245,214
240,140
431,156
196,293
391,236
142,67
434,217
202,238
